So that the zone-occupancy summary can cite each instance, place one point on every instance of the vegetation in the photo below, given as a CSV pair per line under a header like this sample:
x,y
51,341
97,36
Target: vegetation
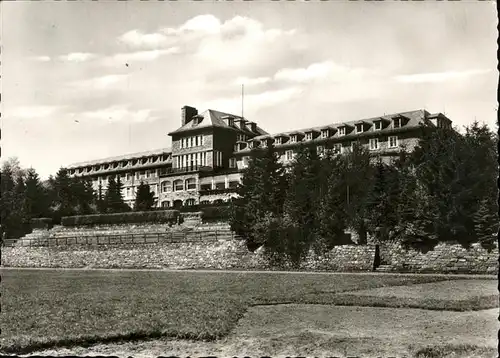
x,y
158,216
144,199
443,191
100,307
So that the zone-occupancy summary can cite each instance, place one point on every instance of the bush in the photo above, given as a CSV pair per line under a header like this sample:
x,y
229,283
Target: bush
x,y
163,216
41,223
213,213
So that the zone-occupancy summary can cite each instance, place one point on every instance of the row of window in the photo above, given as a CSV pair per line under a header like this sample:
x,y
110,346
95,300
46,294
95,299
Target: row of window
x,y
144,174
190,160
189,202
374,144
190,184
326,133
116,165
194,141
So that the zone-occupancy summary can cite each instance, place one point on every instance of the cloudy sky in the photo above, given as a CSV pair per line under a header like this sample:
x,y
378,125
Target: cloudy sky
x,y
85,80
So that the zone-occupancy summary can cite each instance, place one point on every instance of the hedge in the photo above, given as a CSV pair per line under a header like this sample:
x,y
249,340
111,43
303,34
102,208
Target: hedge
x,y
215,212
41,223
163,216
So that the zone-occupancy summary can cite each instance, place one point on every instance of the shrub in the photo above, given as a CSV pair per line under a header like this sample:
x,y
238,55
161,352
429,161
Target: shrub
x,y
163,216
41,223
212,213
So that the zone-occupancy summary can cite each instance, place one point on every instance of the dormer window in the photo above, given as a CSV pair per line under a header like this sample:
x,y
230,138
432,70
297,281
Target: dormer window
x,y
342,131
397,123
263,144
309,136
377,125
277,140
293,139
230,122
324,133
359,128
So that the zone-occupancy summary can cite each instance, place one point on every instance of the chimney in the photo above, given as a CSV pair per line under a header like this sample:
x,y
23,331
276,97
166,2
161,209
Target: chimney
x,y
187,113
253,126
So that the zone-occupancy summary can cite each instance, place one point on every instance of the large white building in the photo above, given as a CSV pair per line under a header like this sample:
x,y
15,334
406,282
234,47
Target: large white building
x,y
210,150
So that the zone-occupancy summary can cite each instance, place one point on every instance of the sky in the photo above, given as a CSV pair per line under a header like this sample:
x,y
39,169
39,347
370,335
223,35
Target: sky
x,y
88,80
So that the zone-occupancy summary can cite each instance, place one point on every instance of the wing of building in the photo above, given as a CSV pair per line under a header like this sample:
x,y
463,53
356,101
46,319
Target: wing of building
x,y
210,150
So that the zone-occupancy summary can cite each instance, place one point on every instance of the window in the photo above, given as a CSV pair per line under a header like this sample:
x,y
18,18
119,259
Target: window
x,y
128,176
191,184
359,128
220,185
148,173
206,187
373,143
263,144
205,202
201,139
324,133
320,149
337,148
234,184
178,185
196,140
309,136
166,187
341,131
129,191
278,140
397,123
165,204
393,142
378,125
293,139
289,154
232,162
190,202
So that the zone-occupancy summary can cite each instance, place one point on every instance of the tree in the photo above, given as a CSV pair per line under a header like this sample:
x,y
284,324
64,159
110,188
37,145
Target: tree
x,y
64,201
144,198
114,197
36,200
101,204
260,195
486,223
358,174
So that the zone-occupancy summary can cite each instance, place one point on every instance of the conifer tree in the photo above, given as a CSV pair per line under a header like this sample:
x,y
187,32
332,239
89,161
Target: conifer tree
x,y
36,204
144,198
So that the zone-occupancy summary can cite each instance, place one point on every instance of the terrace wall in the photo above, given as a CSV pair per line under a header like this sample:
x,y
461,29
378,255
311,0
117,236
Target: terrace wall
x,y
226,253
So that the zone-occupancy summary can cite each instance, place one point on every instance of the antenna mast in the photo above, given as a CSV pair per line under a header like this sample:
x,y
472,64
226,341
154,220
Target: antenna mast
x,y
242,96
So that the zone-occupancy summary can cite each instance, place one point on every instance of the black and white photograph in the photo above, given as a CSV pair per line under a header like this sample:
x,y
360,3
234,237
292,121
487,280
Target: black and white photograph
x,y
249,179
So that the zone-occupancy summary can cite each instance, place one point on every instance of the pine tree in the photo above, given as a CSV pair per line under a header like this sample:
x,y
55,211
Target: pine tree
x,y
36,201
144,198
101,203
114,197
486,222
260,195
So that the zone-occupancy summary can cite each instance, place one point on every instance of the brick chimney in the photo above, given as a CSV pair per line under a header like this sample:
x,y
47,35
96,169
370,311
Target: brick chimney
x,y
187,113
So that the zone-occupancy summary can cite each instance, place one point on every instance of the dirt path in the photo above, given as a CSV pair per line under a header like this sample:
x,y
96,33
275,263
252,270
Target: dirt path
x,y
321,330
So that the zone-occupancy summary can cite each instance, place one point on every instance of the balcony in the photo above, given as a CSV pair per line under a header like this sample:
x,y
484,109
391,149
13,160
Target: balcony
x,y
217,191
190,169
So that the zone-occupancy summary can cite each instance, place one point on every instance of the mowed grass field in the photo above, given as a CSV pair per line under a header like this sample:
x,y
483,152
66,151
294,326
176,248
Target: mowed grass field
x,y
51,308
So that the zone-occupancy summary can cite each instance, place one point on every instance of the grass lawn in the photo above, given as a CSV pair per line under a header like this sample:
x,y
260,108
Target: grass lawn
x,y
48,308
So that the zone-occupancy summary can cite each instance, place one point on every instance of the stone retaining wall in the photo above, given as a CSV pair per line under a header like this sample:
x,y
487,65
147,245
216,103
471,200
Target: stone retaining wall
x,y
233,254
444,258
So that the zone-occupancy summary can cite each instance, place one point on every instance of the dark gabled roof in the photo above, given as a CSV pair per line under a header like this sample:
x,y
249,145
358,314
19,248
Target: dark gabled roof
x,y
215,119
415,118
137,155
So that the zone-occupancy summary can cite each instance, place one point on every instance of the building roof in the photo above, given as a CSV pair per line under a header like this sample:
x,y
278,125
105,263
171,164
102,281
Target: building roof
x,y
121,157
211,118
415,118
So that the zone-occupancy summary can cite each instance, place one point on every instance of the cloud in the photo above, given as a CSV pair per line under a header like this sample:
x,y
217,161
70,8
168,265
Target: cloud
x,y
136,38
138,56
439,76
101,82
78,57
41,58
117,113
322,70
201,24
251,81
31,112
254,102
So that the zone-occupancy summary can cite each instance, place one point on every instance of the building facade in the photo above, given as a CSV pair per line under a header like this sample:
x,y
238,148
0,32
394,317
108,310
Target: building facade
x,y
211,149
